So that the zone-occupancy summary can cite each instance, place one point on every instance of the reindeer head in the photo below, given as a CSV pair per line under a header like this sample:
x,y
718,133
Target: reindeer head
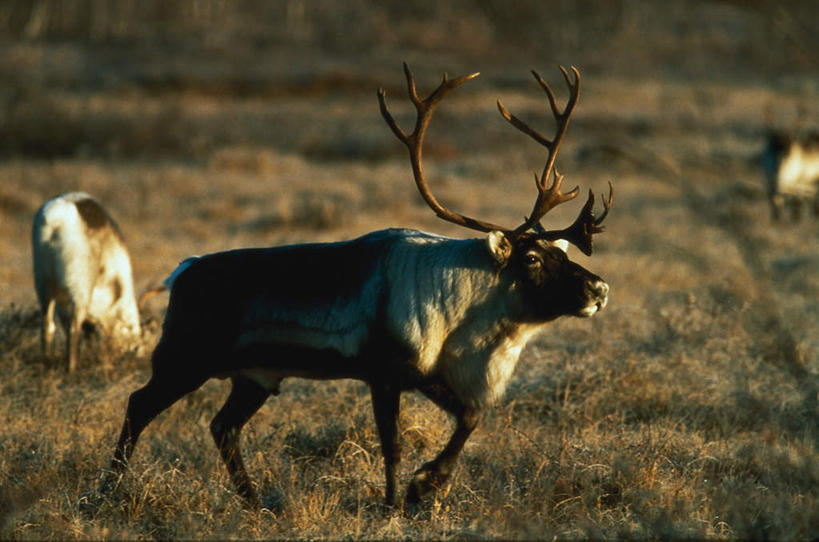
x,y
545,283
548,281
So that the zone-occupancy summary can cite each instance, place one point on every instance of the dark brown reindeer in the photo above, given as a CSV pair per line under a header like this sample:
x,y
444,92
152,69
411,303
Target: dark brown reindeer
x,y
398,309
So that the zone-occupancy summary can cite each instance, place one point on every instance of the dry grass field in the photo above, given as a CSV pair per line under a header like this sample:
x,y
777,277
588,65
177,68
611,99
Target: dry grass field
x,y
686,409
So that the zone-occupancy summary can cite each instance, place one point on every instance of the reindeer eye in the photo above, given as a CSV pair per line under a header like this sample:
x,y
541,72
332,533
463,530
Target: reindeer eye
x,y
532,259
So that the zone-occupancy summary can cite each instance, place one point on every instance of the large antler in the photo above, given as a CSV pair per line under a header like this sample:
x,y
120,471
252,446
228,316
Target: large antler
x,y
415,140
586,225
549,196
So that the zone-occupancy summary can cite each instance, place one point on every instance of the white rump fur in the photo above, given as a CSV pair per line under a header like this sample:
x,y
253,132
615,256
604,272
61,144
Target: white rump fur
x,y
81,273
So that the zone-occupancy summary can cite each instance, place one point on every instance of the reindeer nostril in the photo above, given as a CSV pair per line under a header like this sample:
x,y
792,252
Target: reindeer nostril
x,y
599,290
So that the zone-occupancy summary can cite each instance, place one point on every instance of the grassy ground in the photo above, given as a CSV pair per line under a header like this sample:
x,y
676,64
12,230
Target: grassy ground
x,y
686,409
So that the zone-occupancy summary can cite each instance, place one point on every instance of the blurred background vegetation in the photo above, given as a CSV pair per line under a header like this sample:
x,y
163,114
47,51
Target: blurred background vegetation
x,y
265,49
219,43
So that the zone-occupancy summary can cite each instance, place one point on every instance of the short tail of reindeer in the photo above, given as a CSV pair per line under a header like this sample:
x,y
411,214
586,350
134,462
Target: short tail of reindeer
x,y
149,293
167,284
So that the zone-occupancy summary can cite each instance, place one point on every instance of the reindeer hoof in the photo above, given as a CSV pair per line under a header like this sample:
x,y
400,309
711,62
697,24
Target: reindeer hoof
x,y
424,482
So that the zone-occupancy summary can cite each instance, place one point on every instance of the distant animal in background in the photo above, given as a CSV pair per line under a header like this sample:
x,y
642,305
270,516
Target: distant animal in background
x,y
82,273
791,166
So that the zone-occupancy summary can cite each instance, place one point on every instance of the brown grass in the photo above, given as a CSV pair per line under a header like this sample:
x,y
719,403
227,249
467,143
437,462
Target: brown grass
x,y
686,409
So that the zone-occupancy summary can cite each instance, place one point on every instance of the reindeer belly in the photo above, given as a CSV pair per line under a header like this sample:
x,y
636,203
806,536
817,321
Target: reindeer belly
x,y
269,363
267,353
270,353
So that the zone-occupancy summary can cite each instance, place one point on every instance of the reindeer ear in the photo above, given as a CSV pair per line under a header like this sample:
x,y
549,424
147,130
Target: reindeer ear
x,y
562,244
500,247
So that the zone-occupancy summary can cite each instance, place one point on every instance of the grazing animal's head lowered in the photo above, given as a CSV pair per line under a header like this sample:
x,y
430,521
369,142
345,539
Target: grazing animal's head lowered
x,y
82,273
402,310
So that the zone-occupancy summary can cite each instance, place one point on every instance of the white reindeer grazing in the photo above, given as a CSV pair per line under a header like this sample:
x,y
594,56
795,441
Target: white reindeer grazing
x,y
82,273
791,166
398,309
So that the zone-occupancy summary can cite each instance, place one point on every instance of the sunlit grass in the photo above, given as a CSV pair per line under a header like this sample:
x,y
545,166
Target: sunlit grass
x,y
686,409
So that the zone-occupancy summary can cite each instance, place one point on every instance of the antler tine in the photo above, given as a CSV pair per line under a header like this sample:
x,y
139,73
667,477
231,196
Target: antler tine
x,y
523,127
399,133
574,91
548,199
606,207
413,94
414,142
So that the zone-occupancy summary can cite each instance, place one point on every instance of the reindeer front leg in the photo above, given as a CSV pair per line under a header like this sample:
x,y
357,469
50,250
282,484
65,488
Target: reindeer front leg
x,y
73,333
386,403
432,475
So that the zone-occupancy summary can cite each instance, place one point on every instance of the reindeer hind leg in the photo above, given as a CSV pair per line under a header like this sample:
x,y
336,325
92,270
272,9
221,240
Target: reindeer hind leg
x,y
163,389
246,397
48,327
